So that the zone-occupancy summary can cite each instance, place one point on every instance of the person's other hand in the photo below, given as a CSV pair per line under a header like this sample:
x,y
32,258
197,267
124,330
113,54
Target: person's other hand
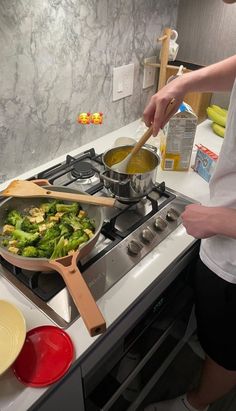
x,y
154,112
197,220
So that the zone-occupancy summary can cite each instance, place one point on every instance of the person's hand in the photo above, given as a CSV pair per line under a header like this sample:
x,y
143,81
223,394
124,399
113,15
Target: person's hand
x,y
155,111
197,220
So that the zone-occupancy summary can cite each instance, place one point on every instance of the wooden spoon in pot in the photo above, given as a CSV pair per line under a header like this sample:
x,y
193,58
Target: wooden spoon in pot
x,y
24,188
121,166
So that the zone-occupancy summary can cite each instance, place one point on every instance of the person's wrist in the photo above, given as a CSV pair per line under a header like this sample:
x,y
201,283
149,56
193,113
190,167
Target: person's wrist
x,y
184,84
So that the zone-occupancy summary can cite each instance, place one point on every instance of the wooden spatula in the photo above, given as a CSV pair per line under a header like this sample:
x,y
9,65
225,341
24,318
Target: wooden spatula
x,y
121,166
24,188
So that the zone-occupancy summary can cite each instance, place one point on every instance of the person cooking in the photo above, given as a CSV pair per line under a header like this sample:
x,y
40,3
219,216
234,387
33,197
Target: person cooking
x,y
214,278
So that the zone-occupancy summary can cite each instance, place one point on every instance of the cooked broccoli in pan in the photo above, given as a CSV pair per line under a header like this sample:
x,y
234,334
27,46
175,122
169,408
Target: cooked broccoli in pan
x,y
30,251
68,208
51,231
14,218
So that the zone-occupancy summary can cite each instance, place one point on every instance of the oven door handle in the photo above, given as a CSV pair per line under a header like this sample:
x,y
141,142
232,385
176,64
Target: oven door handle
x,y
141,364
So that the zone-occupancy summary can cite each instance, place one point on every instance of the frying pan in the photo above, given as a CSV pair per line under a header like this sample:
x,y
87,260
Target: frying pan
x,y
66,266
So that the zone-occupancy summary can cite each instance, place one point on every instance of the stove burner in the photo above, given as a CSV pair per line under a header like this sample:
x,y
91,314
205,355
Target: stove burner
x,y
82,170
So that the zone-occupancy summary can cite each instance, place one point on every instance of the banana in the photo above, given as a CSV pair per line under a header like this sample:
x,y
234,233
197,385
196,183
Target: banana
x,y
216,117
219,110
219,130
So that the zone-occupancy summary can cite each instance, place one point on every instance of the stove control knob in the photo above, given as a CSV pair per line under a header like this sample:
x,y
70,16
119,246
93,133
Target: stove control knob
x,y
147,235
160,224
134,247
172,214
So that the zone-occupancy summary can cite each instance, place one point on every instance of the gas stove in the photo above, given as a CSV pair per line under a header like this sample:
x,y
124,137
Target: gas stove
x,y
130,231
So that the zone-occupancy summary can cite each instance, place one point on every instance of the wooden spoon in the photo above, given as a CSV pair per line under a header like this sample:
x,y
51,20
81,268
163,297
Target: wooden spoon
x,y
121,166
24,188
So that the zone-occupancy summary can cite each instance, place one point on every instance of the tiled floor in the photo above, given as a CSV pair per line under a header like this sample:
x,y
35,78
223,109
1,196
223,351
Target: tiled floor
x,y
184,373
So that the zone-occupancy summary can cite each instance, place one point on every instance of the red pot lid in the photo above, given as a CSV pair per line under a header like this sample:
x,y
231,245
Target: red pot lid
x,y
45,357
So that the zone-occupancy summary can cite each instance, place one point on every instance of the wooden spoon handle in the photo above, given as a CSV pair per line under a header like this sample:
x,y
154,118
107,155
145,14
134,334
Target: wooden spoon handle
x,y
82,198
169,107
142,141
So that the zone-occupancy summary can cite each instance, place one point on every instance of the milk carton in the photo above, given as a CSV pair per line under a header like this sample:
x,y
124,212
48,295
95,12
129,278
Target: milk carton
x,y
177,139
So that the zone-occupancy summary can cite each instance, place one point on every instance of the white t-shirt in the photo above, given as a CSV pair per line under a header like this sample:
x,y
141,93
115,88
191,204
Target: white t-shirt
x,y
218,253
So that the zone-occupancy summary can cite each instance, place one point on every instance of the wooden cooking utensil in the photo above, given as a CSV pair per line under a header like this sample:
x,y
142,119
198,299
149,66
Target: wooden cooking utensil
x,y
121,166
24,188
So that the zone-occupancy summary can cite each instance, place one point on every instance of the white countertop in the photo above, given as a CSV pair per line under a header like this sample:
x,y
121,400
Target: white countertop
x,y
14,395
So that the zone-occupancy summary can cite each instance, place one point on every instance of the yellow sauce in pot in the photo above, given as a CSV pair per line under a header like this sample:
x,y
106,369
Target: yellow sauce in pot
x,y
142,162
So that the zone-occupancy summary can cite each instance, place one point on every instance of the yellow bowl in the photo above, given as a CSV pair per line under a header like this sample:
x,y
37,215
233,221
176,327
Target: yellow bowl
x,y
12,334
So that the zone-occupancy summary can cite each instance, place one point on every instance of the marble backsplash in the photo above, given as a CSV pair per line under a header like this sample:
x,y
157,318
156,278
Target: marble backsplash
x,y
56,60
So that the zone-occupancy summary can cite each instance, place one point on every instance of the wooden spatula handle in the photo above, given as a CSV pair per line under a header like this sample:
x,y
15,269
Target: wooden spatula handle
x,y
83,198
142,141
169,107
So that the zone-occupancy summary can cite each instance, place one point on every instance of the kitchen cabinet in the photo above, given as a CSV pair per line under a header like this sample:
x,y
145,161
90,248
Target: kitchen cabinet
x,y
207,31
66,395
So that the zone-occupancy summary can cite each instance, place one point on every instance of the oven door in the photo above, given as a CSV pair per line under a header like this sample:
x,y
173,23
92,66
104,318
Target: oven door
x,y
145,352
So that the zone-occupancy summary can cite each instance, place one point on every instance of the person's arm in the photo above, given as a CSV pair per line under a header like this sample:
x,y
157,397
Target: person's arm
x,y
216,77
204,222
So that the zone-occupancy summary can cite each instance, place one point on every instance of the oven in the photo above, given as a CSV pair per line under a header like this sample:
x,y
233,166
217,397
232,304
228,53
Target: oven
x,y
125,375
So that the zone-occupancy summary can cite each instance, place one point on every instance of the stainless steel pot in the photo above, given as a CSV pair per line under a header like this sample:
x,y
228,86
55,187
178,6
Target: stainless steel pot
x,y
132,186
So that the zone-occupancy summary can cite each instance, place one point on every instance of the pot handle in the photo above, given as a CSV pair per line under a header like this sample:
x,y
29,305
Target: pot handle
x,y
103,177
79,291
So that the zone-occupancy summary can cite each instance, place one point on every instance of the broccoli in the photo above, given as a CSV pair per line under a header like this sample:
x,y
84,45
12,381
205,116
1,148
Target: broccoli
x,y
66,230
43,253
59,250
68,208
46,248
24,238
88,223
72,220
52,233
5,242
14,217
29,227
47,243
49,240
49,208
78,237
46,252
30,251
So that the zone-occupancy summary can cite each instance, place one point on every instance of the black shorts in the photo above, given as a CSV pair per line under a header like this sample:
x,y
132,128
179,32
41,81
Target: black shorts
x,y
215,301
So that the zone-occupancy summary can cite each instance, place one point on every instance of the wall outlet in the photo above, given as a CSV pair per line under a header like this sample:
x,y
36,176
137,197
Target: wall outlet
x,y
123,81
149,73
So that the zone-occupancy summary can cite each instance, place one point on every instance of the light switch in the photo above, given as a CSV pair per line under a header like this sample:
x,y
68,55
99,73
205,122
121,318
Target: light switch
x,y
123,81
149,73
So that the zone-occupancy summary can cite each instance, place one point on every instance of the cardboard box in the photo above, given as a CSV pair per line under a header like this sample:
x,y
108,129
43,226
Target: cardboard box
x,y
177,139
205,162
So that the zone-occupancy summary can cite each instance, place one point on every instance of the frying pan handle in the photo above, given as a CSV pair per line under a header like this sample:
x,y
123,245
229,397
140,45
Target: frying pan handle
x,y
41,182
80,293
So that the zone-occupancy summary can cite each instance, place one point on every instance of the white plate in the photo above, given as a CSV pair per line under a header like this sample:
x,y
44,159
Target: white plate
x,y
12,334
